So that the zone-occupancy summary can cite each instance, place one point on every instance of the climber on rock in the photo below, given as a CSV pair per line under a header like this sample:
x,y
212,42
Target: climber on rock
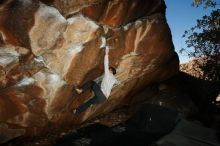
x,y
101,93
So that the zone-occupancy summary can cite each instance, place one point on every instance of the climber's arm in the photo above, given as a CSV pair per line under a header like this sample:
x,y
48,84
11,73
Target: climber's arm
x,y
106,61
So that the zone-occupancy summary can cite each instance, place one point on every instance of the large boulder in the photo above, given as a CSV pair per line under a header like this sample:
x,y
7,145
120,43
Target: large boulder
x,y
48,47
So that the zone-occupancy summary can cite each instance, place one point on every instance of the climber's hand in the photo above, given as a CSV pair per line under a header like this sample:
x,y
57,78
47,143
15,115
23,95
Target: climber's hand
x,y
107,50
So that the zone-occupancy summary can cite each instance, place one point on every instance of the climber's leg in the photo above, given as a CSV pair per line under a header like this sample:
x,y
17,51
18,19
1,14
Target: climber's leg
x,y
98,98
86,105
88,86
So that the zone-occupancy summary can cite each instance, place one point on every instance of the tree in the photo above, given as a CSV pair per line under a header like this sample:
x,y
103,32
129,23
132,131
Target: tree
x,y
205,3
204,39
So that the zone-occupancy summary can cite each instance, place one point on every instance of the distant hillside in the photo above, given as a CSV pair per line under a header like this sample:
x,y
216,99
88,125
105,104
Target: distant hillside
x,y
192,67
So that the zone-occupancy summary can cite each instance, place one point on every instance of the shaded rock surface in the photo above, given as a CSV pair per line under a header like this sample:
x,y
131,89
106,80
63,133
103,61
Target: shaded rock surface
x,y
187,95
145,127
48,47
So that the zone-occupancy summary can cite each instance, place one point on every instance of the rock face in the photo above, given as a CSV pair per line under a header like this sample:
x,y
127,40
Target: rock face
x,y
48,47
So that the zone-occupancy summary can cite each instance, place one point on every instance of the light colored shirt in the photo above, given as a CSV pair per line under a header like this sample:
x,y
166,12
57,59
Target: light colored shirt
x,y
108,80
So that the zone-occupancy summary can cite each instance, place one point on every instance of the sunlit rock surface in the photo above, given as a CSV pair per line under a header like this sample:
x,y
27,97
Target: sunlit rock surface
x,y
48,47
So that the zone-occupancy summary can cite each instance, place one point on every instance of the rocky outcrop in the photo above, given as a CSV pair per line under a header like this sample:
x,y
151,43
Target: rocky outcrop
x,y
203,67
48,47
193,68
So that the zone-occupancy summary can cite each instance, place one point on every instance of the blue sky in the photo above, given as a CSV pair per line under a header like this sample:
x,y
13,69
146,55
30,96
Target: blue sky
x,y
182,16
